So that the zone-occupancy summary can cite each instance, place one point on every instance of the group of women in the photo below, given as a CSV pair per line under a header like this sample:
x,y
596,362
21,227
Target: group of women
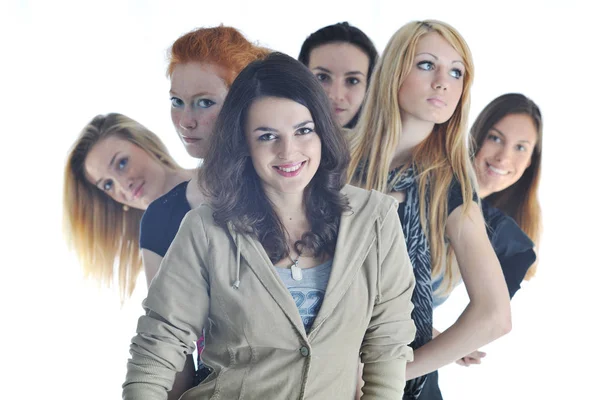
x,y
340,199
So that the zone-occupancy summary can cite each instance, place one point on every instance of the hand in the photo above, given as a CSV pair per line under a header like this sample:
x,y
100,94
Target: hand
x,y
473,358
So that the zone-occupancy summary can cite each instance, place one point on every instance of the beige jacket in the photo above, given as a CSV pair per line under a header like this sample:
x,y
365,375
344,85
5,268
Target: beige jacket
x,y
255,341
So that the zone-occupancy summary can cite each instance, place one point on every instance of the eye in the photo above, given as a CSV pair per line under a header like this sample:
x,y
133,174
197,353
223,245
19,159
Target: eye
x,y
520,147
267,137
493,138
321,77
456,73
426,65
353,81
304,131
123,163
176,102
107,185
204,103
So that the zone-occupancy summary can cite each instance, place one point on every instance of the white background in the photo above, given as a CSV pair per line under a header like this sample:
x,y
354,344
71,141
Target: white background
x,y
63,63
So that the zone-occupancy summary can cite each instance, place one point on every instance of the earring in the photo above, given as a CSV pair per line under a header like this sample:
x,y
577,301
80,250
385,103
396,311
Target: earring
x,y
125,207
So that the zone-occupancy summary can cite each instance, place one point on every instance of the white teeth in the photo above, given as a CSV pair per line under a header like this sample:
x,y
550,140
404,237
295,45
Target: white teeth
x,y
292,169
497,171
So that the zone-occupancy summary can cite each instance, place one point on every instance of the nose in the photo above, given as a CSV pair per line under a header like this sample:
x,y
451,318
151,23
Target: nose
x,y
286,149
440,81
501,154
336,91
125,185
187,120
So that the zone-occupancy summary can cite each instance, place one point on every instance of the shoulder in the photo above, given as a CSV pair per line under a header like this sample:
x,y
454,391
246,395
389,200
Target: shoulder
x,y
503,230
202,217
161,208
369,201
162,218
455,195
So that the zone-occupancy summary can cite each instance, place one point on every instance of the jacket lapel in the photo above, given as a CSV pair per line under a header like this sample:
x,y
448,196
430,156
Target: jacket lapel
x,y
260,264
356,235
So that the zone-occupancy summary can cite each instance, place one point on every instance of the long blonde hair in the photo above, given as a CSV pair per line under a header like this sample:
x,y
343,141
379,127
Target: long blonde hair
x,y
100,229
442,156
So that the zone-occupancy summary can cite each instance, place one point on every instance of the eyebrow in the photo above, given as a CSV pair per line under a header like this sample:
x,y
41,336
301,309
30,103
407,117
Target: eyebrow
x,y
112,161
267,129
347,73
435,57
172,93
504,136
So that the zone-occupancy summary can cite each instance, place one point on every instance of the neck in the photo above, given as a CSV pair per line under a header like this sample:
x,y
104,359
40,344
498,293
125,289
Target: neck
x,y
484,192
175,177
290,210
414,131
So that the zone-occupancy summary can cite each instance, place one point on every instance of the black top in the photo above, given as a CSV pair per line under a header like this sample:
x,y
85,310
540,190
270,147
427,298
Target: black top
x,y
162,219
513,247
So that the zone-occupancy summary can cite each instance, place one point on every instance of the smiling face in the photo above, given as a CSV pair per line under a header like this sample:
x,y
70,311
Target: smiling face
x,y
433,87
342,70
197,94
125,172
505,153
283,144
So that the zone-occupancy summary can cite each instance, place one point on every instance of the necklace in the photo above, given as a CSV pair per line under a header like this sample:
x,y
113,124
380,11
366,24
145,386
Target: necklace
x,y
296,270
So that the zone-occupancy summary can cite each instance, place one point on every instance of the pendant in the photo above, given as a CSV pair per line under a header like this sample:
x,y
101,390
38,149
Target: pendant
x,y
296,271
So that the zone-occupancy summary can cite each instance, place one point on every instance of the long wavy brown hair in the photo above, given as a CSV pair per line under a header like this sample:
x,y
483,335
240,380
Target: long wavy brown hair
x,y
520,200
229,177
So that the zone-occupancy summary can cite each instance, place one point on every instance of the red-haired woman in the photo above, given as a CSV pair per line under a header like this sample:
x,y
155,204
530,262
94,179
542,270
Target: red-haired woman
x,y
202,66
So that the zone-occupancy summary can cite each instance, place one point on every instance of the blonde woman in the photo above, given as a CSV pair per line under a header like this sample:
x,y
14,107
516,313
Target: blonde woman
x,y
114,170
411,141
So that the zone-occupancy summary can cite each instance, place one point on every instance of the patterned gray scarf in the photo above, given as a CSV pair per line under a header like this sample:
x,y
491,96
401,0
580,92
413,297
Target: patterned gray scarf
x,y
418,252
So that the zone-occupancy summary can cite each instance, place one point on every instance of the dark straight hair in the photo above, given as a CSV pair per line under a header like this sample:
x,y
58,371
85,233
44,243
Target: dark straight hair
x,y
342,32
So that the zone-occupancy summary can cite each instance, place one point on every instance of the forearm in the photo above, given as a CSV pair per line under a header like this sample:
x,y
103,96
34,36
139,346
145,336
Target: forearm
x,y
184,380
384,380
475,328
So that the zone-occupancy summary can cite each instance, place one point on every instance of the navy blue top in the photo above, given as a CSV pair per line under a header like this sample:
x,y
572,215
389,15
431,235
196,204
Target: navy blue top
x,y
162,219
512,246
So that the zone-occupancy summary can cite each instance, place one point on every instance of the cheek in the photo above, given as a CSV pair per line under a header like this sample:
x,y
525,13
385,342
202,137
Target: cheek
x,y
325,86
457,93
356,95
209,117
522,165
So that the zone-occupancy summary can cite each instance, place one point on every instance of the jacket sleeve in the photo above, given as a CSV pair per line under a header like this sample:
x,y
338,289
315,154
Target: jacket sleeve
x,y
176,308
385,349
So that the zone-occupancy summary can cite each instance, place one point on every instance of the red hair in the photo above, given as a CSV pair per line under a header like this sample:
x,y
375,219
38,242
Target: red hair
x,y
222,46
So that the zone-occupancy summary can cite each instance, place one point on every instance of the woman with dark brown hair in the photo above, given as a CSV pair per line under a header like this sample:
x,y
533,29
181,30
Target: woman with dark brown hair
x,y
293,273
507,150
507,137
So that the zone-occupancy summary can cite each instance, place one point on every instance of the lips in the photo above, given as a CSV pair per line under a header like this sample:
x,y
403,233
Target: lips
x,y
436,102
137,193
496,171
289,170
190,140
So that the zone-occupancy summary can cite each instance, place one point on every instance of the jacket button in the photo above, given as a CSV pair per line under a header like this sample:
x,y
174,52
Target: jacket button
x,y
304,351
